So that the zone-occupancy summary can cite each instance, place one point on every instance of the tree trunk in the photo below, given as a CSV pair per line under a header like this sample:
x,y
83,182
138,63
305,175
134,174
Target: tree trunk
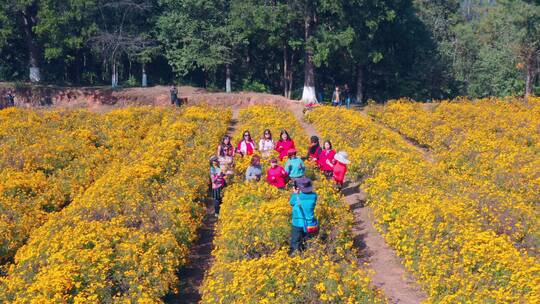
x,y
144,76
228,88
114,76
29,18
360,84
528,82
285,72
308,94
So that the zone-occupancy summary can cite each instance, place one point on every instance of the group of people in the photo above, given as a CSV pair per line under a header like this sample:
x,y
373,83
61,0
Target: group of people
x,y
303,200
342,96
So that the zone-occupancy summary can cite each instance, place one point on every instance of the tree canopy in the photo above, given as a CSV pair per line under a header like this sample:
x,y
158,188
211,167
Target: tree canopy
x,y
423,49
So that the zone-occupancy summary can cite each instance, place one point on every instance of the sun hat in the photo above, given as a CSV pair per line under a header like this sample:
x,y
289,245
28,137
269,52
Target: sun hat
x,y
214,159
291,151
304,184
342,157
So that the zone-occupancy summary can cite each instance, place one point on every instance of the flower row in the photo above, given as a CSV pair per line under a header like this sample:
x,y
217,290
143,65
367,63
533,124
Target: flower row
x,y
123,238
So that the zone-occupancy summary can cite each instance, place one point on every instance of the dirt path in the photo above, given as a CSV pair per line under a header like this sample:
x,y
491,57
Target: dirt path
x,y
200,257
389,274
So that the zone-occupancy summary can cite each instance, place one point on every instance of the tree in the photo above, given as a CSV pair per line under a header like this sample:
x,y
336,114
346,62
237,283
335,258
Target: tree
x,y
196,35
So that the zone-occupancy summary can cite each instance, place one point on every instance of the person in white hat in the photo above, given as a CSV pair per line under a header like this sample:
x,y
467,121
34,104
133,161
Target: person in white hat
x,y
340,167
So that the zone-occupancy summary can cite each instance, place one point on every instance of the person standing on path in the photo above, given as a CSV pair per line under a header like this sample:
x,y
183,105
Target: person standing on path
x,y
326,160
174,96
303,202
246,146
347,96
336,97
284,144
276,175
266,144
10,99
254,171
217,178
340,168
294,166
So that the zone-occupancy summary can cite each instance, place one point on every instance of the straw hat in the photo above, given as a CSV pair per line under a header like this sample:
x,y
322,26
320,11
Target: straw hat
x,y
342,157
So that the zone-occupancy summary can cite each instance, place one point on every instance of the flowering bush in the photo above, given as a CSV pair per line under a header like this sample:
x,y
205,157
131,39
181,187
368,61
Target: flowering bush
x,y
47,158
488,145
428,216
123,238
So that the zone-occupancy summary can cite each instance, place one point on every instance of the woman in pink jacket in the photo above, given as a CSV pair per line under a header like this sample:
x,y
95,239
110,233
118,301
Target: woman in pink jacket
x,y
276,175
284,144
326,159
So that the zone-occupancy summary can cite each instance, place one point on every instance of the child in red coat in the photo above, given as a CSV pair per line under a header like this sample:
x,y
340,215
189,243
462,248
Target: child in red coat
x,y
340,167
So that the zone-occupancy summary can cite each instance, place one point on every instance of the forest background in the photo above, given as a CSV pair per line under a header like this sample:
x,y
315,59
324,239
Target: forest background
x,y
382,49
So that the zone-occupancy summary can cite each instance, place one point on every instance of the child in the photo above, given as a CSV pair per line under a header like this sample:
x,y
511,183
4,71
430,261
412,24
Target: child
x,y
218,183
326,159
340,168
314,150
294,166
254,171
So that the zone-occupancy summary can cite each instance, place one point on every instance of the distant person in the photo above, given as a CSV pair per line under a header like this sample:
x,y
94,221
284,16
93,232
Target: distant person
x,y
304,224
225,154
326,159
314,150
254,171
174,96
340,168
294,166
246,146
284,144
217,178
276,175
266,144
336,97
347,96
10,99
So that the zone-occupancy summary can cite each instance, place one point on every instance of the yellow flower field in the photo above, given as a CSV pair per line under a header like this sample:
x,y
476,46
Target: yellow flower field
x,y
490,145
427,216
251,262
123,237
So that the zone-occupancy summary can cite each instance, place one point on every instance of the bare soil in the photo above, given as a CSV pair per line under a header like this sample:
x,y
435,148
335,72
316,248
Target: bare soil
x,y
104,97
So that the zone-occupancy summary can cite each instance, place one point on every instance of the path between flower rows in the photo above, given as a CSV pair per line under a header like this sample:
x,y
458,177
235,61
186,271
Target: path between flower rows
x,y
389,274
200,257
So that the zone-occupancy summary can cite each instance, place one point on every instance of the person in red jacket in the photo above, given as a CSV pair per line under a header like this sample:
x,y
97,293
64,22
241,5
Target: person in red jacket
x,y
284,144
326,159
246,146
340,167
276,175
315,150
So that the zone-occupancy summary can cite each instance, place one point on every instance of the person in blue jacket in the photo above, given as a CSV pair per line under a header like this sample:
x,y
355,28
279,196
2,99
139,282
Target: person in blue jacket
x,y
294,166
303,202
